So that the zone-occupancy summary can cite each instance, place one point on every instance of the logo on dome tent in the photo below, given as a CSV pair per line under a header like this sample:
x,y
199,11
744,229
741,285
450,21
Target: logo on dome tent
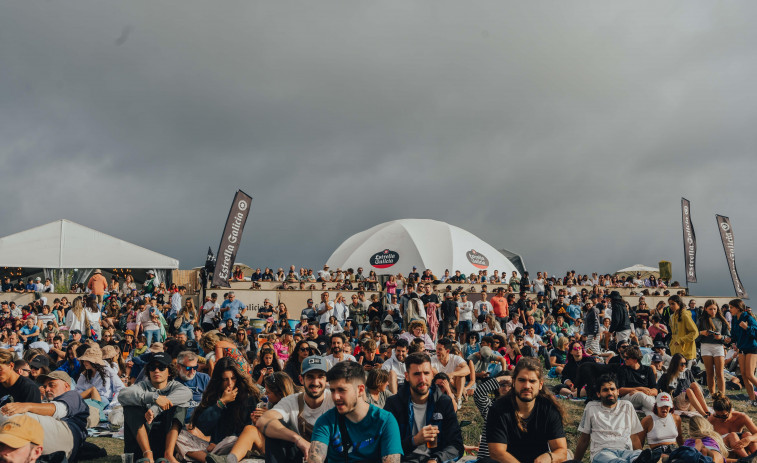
x,y
477,259
385,259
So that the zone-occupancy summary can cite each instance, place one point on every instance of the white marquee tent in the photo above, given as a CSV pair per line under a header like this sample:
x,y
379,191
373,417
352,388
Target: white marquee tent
x,y
397,246
67,245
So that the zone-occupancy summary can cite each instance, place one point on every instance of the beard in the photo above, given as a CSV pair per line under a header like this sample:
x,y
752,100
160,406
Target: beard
x,y
314,395
336,350
609,400
187,376
524,398
417,390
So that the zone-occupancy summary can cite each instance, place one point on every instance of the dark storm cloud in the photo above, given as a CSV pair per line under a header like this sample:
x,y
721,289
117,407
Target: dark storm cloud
x,y
554,130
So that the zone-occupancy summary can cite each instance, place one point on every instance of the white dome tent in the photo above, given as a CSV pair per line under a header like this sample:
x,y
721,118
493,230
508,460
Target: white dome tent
x,y
396,246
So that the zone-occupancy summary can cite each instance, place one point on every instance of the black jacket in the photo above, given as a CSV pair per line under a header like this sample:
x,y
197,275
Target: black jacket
x,y
620,320
440,412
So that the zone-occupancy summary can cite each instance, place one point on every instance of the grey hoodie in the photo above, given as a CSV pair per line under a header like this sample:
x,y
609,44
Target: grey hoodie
x,y
143,394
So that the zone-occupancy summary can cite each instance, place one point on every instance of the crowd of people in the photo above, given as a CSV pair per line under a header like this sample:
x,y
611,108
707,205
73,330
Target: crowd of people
x,y
380,377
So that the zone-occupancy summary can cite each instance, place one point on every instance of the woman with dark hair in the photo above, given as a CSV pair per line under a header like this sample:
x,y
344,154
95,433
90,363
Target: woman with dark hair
x,y
662,429
744,333
680,383
267,364
225,413
713,329
683,330
98,383
577,356
294,364
92,315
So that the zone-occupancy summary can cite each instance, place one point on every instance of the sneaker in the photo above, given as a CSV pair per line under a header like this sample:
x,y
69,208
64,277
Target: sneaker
x,y
753,403
213,458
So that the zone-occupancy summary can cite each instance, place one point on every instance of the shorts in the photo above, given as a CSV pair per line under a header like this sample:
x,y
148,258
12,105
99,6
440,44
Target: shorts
x,y
624,335
751,351
712,350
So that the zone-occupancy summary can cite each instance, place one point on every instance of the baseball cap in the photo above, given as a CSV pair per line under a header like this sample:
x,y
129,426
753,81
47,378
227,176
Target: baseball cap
x,y
314,362
75,332
656,358
39,362
161,358
659,345
21,430
664,400
128,333
58,374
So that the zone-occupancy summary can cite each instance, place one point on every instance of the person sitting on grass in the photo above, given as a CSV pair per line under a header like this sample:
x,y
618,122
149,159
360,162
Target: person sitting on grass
x,y
610,425
662,428
705,440
526,424
151,407
737,429
679,381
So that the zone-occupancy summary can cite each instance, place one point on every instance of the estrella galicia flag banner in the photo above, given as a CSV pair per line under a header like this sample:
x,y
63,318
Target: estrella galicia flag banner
x,y
726,236
231,238
210,260
689,242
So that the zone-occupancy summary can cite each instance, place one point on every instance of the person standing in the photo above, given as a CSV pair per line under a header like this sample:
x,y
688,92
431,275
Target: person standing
x,y
97,284
744,333
683,330
232,309
713,329
325,311
526,424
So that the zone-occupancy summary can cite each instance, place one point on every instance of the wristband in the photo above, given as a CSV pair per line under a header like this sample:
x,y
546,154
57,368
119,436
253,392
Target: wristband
x,y
221,404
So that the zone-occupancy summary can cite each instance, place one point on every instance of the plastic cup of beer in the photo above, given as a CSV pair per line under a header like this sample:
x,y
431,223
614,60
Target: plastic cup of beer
x,y
433,443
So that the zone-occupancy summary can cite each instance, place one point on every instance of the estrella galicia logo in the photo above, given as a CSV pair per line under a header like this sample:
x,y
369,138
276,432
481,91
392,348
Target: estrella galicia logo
x,y
385,259
477,259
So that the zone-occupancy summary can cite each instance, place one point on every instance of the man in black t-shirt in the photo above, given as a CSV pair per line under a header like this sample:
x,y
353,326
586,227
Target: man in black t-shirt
x,y
531,406
20,388
636,382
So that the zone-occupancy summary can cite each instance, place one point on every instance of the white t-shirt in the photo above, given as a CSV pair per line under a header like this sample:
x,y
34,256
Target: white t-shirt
x,y
331,360
483,307
535,341
466,311
610,428
327,314
289,409
395,365
452,364
539,285
208,318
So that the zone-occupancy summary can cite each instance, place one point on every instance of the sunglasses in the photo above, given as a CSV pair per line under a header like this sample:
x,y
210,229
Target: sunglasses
x,y
190,368
721,417
152,368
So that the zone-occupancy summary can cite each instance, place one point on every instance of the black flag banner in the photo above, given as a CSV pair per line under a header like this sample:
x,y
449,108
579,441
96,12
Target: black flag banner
x,y
231,238
726,235
210,260
689,242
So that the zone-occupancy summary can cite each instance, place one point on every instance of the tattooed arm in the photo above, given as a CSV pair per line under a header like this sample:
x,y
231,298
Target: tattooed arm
x,y
391,458
317,453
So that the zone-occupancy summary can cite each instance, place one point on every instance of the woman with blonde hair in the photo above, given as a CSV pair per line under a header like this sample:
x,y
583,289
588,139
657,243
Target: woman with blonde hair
x,y
75,318
188,317
128,285
702,436
217,346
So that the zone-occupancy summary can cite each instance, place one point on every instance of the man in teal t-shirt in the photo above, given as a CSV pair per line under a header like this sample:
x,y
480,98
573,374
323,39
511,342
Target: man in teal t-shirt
x,y
353,428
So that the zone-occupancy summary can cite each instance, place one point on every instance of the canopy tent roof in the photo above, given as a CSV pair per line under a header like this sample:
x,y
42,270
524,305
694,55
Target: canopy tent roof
x,y
65,244
638,268
397,246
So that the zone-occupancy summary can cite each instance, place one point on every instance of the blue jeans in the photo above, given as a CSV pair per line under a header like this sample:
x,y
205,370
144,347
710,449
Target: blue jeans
x,y
616,456
152,336
189,329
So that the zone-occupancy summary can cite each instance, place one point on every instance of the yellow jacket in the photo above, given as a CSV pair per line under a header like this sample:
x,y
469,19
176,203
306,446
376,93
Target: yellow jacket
x,y
683,335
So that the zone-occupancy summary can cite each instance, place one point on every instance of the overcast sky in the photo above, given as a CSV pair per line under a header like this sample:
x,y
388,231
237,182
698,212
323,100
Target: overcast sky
x,y
564,131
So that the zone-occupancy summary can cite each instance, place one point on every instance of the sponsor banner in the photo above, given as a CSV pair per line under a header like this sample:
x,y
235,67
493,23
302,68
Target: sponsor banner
x,y
385,259
726,236
210,261
477,259
689,242
231,238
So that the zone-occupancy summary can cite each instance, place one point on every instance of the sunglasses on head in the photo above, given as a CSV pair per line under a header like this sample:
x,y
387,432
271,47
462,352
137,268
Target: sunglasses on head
x,y
154,367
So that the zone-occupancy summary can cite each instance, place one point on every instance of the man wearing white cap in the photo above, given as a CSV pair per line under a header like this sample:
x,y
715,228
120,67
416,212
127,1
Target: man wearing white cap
x,y
21,440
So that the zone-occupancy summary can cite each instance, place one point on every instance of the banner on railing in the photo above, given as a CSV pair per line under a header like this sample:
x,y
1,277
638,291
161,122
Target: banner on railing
x,y
231,238
726,236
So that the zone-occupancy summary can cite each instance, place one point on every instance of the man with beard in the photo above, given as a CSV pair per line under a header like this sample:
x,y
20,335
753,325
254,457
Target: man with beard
x,y
321,342
611,425
526,424
428,424
396,364
292,419
186,364
353,430
63,417
21,440
454,366
337,350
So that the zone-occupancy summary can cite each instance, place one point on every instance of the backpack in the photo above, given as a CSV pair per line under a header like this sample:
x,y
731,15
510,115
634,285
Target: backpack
x,y
306,429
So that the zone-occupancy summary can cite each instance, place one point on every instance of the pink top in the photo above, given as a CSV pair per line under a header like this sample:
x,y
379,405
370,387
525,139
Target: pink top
x,y
391,287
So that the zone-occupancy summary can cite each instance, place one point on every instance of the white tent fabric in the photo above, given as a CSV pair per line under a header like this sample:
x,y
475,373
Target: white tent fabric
x,y
638,268
65,244
396,246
